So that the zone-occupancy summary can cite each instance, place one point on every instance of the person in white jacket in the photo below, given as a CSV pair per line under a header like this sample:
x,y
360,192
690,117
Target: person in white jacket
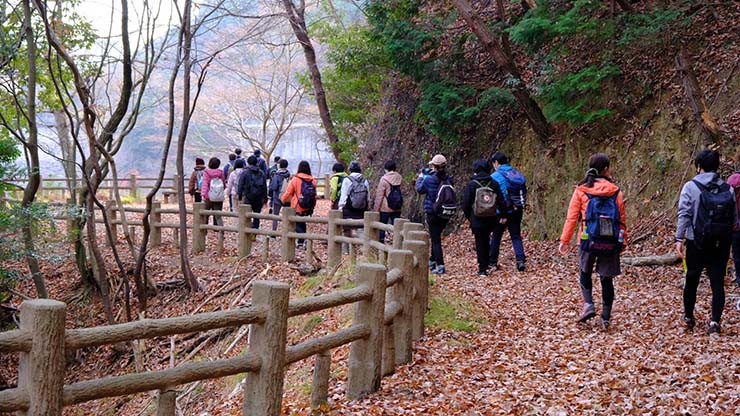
x,y
232,184
354,199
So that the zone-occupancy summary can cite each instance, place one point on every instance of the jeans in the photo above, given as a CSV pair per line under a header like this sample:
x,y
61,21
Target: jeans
x,y
482,238
715,261
276,207
736,255
215,206
514,225
436,227
387,218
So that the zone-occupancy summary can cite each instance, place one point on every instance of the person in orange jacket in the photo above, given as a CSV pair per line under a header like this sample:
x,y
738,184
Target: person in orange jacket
x,y
598,205
301,196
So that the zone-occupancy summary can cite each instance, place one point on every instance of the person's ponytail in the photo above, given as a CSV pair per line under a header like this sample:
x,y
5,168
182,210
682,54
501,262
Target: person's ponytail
x,y
597,164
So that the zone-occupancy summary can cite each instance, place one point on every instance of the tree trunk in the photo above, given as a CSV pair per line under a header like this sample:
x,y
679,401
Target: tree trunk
x,y
506,62
34,177
709,128
187,42
661,260
297,20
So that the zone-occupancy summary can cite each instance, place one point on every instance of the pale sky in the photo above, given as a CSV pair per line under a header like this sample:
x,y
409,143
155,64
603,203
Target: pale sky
x,y
98,12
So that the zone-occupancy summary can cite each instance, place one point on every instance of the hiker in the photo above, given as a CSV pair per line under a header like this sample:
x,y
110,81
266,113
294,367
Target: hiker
x,y
232,183
388,197
335,184
253,188
238,153
261,163
274,168
513,186
196,180
598,205
440,204
484,206
214,189
354,200
228,168
734,182
706,215
278,187
301,195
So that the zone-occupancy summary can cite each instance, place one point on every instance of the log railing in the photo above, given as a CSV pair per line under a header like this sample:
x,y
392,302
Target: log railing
x,y
390,300
133,186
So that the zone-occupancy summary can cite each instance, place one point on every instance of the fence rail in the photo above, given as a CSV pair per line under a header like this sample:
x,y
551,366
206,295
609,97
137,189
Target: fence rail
x,y
390,300
135,187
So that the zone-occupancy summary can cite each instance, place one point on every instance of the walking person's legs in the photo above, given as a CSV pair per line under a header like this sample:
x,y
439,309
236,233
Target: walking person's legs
x,y
217,219
300,227
736,255
694,266
436,227
256,208
385,218
514,225
276,207
497,236
587,261
482,244
716,268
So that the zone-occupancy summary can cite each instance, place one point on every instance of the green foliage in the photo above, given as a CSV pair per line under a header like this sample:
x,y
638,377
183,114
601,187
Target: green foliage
x,y
452,314
8,153
646,28
572,98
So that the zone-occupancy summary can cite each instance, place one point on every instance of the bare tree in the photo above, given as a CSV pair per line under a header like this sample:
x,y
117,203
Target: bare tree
x,y
501,54
296,13
264,100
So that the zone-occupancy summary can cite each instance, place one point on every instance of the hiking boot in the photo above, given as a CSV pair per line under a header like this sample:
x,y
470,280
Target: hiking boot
x,y
690,322
714,328
521,266
483,274
439,270
589,311
606,313
432,265
605,324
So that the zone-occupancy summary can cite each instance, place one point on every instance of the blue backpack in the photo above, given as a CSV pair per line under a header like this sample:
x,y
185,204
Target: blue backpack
x,y
516,188
601,233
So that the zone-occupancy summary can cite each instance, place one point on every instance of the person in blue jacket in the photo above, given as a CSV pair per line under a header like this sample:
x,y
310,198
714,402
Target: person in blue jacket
x,y
503,171
428,185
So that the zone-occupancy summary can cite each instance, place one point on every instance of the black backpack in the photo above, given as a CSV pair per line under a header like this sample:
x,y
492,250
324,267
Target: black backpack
x,y
307,198
715,216
394,198
445,206
256,189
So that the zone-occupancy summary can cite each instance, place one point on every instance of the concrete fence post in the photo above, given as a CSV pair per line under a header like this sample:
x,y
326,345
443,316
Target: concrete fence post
x,y
287,250
166,405
365,355
41,371
155,218
334,248
419,272
320,382
398,225
263,393
370,233
133,191
244,240
176,185
327,186
402,293
199,236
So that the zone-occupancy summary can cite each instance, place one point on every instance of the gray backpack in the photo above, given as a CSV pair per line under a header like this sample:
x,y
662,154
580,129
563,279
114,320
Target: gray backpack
x,y
358,193
484,204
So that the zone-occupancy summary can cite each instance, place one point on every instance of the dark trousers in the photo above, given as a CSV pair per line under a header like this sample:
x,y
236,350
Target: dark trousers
x,y
482,240
197,197
715,262
736,255
387,218
436,227
514,225
607,287
256,208
215,206
276,207
231,203
300,227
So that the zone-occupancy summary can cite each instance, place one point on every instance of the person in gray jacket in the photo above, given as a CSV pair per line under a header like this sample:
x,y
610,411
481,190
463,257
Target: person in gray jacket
x,y
699,257
354,199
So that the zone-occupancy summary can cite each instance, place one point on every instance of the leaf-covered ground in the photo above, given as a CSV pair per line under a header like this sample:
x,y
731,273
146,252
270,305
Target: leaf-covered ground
x,y
506,344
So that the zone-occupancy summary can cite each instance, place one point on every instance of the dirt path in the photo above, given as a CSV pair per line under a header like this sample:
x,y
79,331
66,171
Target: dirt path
x,y
528,356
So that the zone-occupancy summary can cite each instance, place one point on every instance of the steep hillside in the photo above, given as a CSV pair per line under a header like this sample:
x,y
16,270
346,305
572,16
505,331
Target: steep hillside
x,y
645,122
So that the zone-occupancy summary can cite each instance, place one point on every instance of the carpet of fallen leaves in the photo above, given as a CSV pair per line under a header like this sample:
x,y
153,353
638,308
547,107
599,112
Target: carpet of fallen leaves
x,y
527,355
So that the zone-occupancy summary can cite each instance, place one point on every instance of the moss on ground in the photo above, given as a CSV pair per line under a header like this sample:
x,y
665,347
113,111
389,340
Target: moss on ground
x,y
452,313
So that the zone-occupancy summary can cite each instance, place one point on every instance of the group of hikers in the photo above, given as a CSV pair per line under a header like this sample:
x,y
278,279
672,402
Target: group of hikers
x,y
493,202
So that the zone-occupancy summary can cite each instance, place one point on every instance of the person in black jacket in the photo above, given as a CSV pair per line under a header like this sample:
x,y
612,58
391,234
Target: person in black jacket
x,y
482,226
253,188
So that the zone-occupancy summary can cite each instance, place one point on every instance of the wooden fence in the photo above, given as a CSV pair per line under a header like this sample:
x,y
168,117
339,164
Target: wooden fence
x,y
390,301
132,186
